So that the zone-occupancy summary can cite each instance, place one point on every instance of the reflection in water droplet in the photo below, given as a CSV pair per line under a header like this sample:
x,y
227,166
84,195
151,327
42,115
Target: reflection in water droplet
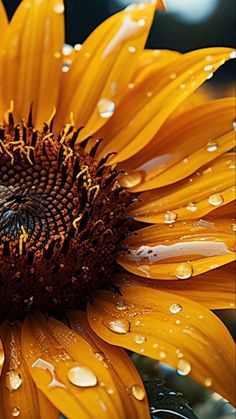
x,y
131,180
106,108
46,366
169,217
141,22
212,146
81,377
132,49
121,305
137,391
183,367
140,339
13,380
77,47
184,270
59,8
65,68
208,382
216,199
210,76
120,326
175,308
15,412
191,207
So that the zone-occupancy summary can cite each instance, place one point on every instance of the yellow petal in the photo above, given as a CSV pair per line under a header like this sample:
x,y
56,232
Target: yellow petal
x,y
67,371
32,46
140,116
170,328
182,145
179,250
194,197
214,289
97,79
3,20
123,371
18,394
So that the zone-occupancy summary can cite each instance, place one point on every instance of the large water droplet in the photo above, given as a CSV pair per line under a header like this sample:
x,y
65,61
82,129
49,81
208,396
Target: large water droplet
x,y
132,180
184,270
212,146
175,308
170,217
137,391
106,108
59,8
15,412
140,339
216,199
13,380
81,377
120,326
183,367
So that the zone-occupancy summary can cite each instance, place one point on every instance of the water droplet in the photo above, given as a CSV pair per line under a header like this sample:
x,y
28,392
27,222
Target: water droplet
x,y
131,180
232,54
172,76
149,94
141,22
138,392
212,146
46,366
162,355
170,217
120,326
191,207
13,380
183,367
100,356
234,125
77,47
121,305
182,86
175,308
216,199
178,321
233,227
65,68
81,377
208,382
210,76
67,49
15,412
57,54
110,391
184,270
140,339
106,108
138,323
208,67
132,49
207,171
59,8
131,85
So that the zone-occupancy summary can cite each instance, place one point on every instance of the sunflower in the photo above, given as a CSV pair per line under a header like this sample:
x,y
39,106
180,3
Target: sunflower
x,y
116,186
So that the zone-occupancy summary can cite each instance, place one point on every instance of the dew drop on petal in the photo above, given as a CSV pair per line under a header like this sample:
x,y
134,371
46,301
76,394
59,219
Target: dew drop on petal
x,y
234,125
183,367
208,382
172,76
140,339
13,380
184,270
233,227
15,412
59,8
77,47
65,68
121,305
175,308
216,199
191,207
232,54
106,108
170,217
138,323
57,54
100,356
67,49
120,326
210,76
211,147
141,22
131,180
138,392
81,377
162,355
208,67
182,86
132,49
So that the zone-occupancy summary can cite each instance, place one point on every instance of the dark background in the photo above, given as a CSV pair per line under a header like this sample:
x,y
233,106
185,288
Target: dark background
x,y
168,31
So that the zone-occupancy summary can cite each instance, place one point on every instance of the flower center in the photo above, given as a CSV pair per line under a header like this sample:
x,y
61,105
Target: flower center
x,y
62,217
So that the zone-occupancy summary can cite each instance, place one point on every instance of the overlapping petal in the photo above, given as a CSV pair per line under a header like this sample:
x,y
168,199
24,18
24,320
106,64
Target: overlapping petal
x,y
97,80
18,394
214,289
170,328
33,46
183,144
194,197
140,115
125,376
68,372
179,250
